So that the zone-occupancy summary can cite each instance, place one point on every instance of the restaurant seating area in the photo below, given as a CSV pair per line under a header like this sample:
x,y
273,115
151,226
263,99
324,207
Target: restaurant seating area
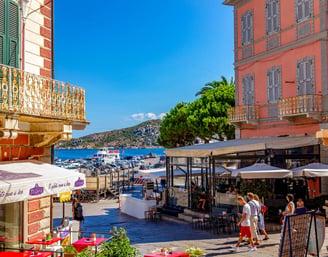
x,y
218,221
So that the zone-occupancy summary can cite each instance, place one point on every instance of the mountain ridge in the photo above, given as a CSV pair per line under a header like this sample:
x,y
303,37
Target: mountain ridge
x,y
143,135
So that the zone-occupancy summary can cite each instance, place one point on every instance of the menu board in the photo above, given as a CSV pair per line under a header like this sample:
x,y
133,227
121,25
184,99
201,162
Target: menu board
x,y
295,235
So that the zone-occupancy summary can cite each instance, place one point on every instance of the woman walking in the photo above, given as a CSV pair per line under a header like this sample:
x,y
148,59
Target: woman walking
x,y
261,224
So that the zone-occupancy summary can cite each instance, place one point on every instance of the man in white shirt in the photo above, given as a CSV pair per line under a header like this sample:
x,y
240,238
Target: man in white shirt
x,y
244,224
255,210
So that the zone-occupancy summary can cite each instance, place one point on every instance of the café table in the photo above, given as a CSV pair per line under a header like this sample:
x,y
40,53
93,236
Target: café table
x,y
170,254
87,241
25,254
43,241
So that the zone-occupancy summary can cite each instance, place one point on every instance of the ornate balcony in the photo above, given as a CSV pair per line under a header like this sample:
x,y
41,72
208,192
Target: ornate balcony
x,y
38,105
302,106
243,114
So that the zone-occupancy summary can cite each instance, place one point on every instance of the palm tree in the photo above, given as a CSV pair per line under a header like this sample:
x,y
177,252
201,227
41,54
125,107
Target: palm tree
x,y
215,84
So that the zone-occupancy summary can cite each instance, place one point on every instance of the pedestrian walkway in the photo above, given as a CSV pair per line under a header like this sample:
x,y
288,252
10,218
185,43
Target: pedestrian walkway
x,y
148,236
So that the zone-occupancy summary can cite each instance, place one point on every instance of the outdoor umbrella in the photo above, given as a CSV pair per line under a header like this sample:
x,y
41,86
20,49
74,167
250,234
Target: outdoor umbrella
x,y
311,170
260,171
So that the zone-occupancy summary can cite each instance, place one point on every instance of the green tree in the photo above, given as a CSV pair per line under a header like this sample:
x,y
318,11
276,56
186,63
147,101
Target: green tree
x,y
207,115
174,131
215,84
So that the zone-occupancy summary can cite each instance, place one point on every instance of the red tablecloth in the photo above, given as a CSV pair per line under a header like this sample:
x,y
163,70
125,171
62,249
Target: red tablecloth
x,y
43,241
25,254
172,254
85,242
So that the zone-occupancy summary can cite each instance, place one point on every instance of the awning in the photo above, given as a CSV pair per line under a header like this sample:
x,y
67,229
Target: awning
x,y
22,180
242,145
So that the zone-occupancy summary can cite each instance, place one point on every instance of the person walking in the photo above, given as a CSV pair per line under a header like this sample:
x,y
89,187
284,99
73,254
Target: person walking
x,y
244,223
255,210
77,211
261,224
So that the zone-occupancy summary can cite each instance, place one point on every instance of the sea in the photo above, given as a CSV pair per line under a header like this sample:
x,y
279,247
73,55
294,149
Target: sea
x,y
65,154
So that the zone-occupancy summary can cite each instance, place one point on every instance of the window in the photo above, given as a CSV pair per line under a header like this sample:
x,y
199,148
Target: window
x,y
303,9
9,31
272,16
11,224
248,89
305,76
247,28
274,84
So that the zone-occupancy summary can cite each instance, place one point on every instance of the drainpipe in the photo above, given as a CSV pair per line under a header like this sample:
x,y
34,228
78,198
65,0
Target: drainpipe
x,y
52,61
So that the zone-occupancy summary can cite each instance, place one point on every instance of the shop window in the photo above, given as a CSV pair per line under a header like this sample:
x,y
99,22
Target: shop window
x,y
305,76
272,16
303,9
10,224
248,89
247,28
274,84
9,32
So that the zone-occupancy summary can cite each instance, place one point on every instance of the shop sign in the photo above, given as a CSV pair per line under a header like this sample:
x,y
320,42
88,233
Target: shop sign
x,y
79,182
36,190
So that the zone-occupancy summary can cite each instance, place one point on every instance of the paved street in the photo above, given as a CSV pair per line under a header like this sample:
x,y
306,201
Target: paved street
x,y
147,236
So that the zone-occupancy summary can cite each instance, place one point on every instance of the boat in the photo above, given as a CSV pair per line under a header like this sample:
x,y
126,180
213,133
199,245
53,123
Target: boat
x,y
107,156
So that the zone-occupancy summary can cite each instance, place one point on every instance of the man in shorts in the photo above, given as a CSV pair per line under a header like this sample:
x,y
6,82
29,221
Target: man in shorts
x,y
245,225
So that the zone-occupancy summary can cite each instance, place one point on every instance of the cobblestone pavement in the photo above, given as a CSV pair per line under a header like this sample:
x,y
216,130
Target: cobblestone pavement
x,y
148,236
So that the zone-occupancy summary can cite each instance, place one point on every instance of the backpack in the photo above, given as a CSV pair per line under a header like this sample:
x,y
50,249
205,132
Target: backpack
x,y
79,212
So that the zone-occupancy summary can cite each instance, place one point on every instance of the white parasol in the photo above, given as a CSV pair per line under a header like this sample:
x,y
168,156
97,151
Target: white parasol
x,y
311,170
260,171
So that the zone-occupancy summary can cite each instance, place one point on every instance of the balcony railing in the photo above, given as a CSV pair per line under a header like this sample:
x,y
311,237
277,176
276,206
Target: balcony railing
x,y
26,93
302,105
243,114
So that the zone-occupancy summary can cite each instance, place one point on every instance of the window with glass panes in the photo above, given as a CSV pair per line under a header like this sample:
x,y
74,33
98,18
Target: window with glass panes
x,y
272,16
9,32
247,28
305,76
248,89
303,9
274,84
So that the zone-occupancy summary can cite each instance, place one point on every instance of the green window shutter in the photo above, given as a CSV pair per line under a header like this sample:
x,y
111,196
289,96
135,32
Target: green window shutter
x,y
9,32
2,29
13,29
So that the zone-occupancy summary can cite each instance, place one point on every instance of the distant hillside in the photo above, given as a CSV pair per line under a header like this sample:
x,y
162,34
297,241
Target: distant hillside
x,y
143,135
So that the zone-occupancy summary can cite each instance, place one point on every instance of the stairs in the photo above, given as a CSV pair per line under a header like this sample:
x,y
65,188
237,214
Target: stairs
x,y
113,192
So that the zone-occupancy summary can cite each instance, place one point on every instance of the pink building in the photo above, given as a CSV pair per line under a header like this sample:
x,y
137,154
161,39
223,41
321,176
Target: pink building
x,y
281,73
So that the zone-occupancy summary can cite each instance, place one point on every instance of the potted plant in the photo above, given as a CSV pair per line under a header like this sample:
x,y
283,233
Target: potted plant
x,y
118,246
194,251
69,251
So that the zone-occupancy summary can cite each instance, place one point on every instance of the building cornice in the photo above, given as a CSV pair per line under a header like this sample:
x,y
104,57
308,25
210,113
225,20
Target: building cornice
x,y
231,2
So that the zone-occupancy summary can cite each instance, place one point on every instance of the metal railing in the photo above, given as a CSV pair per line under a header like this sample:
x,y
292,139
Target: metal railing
x,y
243,113
301,104
25,93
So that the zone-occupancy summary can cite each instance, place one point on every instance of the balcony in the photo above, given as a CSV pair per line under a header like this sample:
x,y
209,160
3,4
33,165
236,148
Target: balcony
x,y
36,105
298,107
243,114
29,94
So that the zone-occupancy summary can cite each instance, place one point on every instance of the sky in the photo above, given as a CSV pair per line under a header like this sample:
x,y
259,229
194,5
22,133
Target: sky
x,y
137,59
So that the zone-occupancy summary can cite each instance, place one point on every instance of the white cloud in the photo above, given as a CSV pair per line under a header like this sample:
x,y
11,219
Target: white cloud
x,y
147,116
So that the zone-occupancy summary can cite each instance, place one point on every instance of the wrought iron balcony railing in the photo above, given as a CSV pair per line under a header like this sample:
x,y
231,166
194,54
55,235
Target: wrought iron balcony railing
x,y
25,93
298,106
243,114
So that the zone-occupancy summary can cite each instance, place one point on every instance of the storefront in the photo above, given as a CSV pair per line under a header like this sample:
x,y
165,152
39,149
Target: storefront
x,y
26,190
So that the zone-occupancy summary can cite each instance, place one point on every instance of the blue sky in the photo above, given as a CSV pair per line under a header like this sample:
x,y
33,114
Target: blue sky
x,y
138,59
